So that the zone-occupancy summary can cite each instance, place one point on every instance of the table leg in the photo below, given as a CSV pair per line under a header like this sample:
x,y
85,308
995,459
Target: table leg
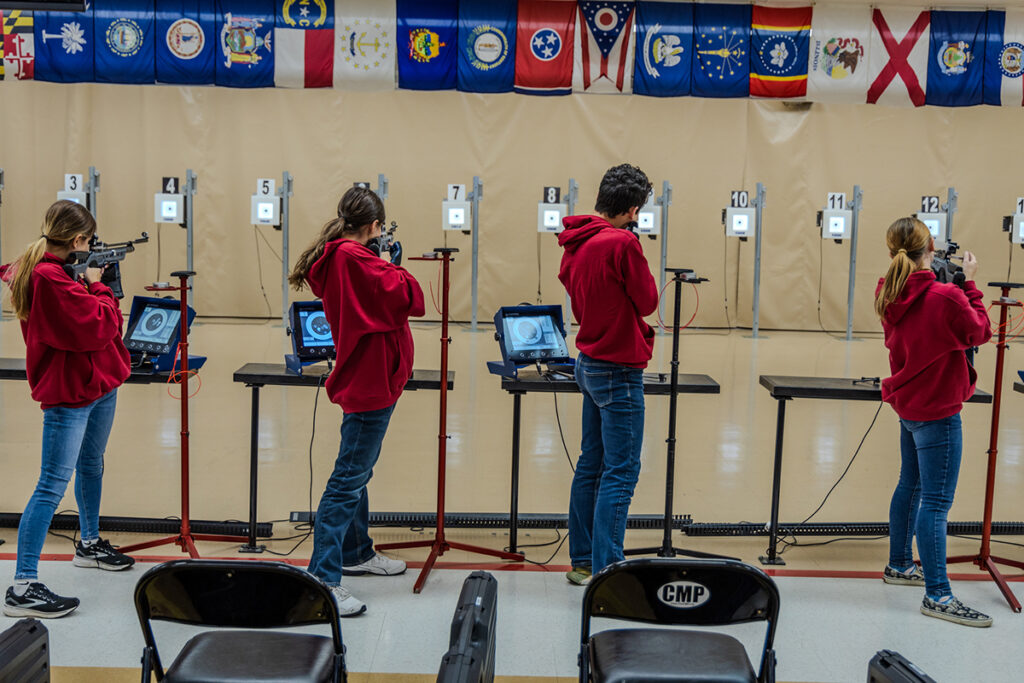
x,y
513,516
773,531
254,451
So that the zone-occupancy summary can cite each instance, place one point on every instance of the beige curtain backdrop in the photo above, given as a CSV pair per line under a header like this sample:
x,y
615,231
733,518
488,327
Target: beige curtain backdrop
x,y
328,139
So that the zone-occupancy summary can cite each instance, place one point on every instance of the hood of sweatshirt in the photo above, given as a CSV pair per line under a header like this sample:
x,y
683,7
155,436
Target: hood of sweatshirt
x,y
917,284
579,229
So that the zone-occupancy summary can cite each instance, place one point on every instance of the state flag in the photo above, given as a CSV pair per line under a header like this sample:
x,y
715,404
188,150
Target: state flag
x,y
245,32
428,32
304,44
779,44
64,47
545,34
365,44
899,56
603,47
956,56
186,47
721,36
123,41
664,51
18,45
1004,59
487,45
837,70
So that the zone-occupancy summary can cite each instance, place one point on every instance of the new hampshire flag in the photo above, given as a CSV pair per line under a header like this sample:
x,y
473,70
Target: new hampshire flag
x,y
1004,59
721,36
487,45
64,46
956,59
123,41
664,49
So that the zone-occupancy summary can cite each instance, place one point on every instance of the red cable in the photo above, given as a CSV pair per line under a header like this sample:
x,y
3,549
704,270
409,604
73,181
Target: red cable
x,y
433,297
179,377
661,323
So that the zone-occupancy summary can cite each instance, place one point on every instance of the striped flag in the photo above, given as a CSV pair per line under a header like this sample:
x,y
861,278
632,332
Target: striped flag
x,y
838,60
899,56
304,44
779,43
18,45
364,56
544,60
1004,59
603,61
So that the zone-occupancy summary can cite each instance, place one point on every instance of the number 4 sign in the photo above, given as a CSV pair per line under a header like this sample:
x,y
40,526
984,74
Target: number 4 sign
x,y
169,185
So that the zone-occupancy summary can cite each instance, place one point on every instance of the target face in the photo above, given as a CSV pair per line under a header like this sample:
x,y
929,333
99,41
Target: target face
x,y
318,327
154,322
527,331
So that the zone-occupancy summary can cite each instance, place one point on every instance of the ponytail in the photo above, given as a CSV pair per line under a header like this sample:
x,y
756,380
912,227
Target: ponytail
x,y
908,240
23,267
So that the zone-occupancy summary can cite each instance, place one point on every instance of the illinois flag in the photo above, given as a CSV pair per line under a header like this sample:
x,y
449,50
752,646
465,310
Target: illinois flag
x,y
956,59
899,56
721,36
1004,59
544,37
245,32
18,45
779,43
64,46
185,42
123,41
487,45
837,70
603,48
304,44
428,36
364,44
664,51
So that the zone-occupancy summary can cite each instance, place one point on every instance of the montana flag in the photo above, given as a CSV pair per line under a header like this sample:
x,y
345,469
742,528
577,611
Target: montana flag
x,y
1004,59
64,46
304,44
837,69
603,47
899,56
428,37
245,32
186,47
664,49
779,43
123,41
365,43
721,37
18,45
487,45
956,59
545,33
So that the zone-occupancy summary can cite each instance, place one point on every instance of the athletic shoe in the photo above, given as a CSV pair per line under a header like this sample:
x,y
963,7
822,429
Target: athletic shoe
x,y
955,611
378,564
348,604
101,555
579,576
38,601
912,577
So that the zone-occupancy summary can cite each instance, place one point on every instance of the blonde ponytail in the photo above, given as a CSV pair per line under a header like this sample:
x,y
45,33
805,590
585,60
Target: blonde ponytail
x,y
908,240
24,266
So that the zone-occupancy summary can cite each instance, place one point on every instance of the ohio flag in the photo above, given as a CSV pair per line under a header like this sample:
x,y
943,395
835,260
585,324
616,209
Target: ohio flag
x,y
1004,59
304,33
899,56
544,40
779,43
603,61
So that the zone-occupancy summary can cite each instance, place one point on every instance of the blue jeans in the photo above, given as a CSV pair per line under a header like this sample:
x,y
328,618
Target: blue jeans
x,y
920,504
74,440
609,463
341,529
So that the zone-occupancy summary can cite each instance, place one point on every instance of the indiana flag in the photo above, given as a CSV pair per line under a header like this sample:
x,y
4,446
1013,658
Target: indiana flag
x,y
664,51
899,56
721,36
64,47
779,43
487,45
123,41
304,49
365,44
544,39
428,32
956,59
19,45
185,42
837,69
1004,59
603,47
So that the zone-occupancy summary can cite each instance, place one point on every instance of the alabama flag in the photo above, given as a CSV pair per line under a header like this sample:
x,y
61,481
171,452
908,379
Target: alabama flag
x,y
544,43
603,61
304,37
899,56
1004,59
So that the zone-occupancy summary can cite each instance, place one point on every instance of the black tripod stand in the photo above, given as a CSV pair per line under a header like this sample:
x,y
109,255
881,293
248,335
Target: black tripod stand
x,y
666,549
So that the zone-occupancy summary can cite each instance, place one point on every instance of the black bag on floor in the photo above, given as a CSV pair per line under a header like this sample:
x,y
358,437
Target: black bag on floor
x,y
892,667
25,653
470,656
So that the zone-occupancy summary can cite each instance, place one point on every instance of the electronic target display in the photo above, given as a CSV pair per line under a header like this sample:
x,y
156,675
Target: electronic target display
x,y
154,330
310,331
530,337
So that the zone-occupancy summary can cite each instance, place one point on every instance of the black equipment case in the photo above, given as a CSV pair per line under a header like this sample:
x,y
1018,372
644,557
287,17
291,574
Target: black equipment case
x,y
470,656
25,653
892,667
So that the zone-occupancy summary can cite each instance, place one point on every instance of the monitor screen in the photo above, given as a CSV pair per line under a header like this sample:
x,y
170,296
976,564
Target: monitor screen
x,y
456,217
265,211
314,328
169,209
836,226
310,331
933,226
740,223
154,329
533,337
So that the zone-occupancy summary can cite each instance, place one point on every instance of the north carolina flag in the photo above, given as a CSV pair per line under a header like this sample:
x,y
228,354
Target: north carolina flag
x,y
304,37
19,50
1004,59
604,48
544,42
779,43
899,56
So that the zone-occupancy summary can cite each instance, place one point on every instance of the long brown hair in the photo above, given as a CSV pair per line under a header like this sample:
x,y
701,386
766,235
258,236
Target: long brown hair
x,y
908,240
64,221
358,208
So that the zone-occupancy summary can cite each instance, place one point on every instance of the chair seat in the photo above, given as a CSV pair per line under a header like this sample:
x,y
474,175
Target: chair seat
x,y
647,655
240,656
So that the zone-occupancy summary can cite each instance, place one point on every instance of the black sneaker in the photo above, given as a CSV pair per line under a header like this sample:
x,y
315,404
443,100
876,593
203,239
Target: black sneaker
x,y
38,601
955,611
101,555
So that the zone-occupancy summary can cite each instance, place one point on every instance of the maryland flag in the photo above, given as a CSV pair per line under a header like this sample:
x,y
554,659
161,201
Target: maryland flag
x,y
18,46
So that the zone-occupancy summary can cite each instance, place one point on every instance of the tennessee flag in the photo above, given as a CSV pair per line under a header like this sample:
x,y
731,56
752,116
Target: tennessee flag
x,y
544,47
779,45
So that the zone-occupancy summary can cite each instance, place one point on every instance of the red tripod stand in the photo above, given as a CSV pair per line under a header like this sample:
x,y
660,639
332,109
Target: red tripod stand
x,y
985,559
185,538
440,545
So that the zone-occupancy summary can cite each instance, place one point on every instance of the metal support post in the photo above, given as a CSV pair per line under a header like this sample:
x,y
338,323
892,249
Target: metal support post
x,y
190,191
855,207
570,201
475,197
382,186
285,192
664,201
950,208
759,202
92,188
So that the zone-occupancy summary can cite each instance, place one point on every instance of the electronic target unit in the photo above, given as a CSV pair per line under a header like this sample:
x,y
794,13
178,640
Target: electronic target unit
x,y
551,210
1015,224
169,203
935,217
311,336
265,205
740,219
153,332
74,189
528,335
836,220
457,210
648,219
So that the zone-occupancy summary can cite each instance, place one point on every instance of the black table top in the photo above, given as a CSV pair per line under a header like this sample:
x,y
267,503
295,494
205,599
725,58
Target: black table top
x,y
275,374
841,388
530,381
14,368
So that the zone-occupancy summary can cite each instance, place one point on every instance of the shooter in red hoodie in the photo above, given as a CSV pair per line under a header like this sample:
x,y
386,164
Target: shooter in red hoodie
x,y
75,361
368,302
928,326
612,289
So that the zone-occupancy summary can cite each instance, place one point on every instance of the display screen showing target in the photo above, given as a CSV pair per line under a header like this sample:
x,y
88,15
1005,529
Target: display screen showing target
x,y
530,338
315,329
154,329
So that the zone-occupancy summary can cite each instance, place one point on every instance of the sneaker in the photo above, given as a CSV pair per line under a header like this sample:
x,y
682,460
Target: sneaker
x,y
955,611
912,577
38,601
101,555
378,564
579,576
348,604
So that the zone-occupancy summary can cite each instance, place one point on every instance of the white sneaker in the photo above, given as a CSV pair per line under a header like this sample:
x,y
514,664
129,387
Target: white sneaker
x,y
348,604
378,564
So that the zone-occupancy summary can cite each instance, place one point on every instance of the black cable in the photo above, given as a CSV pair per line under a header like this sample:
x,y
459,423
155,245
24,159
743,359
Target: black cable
x,y
725,283
1009,266
560,541
73,538
259,267
538,269
821,273
558,418
157,252
269,245
993,540
796,544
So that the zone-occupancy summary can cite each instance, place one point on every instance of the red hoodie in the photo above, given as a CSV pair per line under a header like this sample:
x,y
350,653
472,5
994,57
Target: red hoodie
x,y
368,303
73,349
611,288
927,328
